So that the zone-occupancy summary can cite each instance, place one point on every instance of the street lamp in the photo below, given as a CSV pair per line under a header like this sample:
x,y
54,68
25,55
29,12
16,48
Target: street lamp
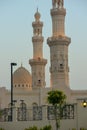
x,y
12,64
84,103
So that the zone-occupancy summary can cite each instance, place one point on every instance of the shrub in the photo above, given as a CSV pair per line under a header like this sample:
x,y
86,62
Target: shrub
x,y
1,128
47,127
31,128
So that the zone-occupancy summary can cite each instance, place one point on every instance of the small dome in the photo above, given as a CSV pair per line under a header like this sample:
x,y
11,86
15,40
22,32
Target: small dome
x,y
37,15
22,76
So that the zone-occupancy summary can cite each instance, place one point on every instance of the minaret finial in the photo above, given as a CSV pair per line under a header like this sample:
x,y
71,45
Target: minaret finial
x,y
37,9
21,64
37,15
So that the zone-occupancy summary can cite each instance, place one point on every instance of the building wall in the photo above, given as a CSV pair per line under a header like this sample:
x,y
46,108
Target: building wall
x,y
39,96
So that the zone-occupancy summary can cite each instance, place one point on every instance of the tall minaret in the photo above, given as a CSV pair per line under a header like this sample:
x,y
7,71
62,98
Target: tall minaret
x,y
58,44
38,62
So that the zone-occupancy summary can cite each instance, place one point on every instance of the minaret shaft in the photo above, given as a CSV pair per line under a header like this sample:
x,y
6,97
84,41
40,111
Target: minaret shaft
x,y
37,47
58,44
58,20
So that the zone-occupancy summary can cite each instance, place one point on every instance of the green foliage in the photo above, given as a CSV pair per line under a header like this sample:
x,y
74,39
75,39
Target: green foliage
x,y
56,97
32,128
1,128
47,127
73,128
83,129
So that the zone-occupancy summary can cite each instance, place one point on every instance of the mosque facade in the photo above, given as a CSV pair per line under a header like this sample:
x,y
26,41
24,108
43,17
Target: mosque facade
x,y
29,89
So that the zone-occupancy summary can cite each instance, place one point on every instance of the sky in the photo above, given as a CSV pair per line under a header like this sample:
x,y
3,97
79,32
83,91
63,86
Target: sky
x,y
16,17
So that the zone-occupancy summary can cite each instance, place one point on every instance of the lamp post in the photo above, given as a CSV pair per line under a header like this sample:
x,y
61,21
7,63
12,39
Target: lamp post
x,y
12,64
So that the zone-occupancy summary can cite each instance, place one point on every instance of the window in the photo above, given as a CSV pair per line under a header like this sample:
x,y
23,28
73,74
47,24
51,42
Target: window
x,y
61,66
22,111
18,85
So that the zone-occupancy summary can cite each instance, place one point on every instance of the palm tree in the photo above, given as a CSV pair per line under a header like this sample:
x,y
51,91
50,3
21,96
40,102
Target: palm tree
x,y
57,99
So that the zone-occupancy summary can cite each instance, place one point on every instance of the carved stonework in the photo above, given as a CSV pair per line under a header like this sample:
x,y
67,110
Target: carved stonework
x,y
57,3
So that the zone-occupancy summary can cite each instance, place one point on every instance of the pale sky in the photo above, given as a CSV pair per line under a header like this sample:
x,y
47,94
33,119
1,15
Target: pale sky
x,y
16,17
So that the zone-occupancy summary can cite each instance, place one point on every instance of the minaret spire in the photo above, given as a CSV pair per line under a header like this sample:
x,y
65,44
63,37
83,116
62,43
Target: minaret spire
x,y
37,9
58,44
38,62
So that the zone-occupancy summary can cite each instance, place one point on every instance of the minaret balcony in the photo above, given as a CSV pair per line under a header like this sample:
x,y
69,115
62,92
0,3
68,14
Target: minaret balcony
x,y
37,39
58,11
38,61
64,40
37,24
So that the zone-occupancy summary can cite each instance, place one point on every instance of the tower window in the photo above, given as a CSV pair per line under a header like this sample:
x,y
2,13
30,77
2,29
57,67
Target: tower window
x,y
22,85
61,66
39,81
38,58
18,85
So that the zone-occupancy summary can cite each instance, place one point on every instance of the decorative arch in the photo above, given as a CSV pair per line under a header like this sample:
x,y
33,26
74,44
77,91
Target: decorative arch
x,y
34,104
23,105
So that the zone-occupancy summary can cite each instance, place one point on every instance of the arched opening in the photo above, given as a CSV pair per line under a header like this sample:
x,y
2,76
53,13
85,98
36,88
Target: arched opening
x,y
22,111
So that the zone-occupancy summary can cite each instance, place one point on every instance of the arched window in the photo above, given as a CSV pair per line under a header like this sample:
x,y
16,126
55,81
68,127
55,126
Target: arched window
x,y
37,112
22,111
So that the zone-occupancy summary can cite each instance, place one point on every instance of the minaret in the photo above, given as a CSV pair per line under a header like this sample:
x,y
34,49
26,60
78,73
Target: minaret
x,y
38,62
58,44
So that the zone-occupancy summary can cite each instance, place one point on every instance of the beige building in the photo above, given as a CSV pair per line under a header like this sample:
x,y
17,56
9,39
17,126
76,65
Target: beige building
x,y
29,90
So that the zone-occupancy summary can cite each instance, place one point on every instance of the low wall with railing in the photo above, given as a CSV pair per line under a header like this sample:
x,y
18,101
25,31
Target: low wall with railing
x,y
36,113
37,116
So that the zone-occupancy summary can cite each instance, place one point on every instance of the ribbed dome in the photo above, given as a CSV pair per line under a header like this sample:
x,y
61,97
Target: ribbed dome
x,y
22,76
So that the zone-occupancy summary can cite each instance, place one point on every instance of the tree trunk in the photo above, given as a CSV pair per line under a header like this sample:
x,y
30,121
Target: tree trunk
x,y
57,118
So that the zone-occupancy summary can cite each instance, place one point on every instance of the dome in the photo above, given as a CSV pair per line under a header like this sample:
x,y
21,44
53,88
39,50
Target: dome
x,y
22,77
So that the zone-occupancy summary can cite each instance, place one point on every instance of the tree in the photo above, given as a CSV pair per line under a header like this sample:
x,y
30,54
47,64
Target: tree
x,y
57,99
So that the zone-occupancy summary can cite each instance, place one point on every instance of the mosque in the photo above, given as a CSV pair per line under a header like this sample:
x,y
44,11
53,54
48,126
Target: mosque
x,y
29,89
